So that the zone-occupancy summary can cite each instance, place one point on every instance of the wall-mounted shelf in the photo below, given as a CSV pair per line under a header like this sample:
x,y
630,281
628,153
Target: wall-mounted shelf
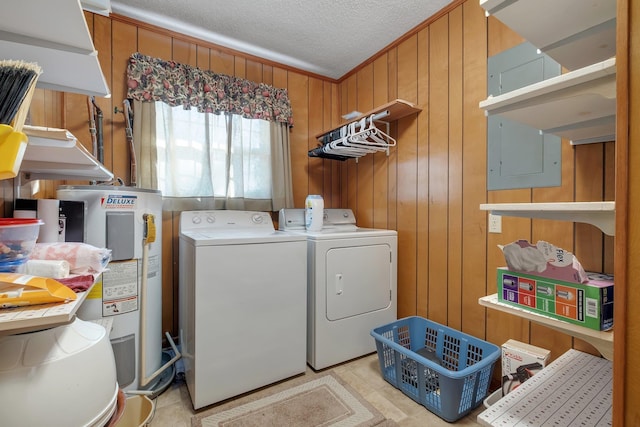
x,y
601,340
599,214
60,156
37,317
396,109
579,105
386,113
55,35
573,33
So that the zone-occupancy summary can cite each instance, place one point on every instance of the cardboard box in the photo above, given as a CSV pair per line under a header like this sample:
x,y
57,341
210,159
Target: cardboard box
x,y
587,304
520,361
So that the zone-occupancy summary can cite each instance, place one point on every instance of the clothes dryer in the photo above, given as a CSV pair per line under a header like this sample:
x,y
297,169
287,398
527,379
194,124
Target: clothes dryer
x,y
351,284
242,309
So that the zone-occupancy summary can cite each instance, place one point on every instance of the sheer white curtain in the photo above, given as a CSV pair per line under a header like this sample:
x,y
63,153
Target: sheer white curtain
x,y
212,161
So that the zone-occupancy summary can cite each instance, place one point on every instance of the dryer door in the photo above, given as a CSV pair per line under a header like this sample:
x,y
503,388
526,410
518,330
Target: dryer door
x,y
358,280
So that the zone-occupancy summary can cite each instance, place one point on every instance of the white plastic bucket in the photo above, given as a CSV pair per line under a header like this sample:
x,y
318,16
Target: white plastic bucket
x,y
138,411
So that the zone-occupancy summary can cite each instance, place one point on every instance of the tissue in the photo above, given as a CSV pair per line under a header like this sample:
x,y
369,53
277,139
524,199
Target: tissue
x,y
55,269
543,259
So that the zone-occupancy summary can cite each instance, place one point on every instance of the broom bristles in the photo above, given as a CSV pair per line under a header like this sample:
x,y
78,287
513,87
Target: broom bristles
x,y
17,84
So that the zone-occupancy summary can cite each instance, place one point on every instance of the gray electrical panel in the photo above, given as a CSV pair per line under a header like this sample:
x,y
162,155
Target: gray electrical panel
x,y
519,156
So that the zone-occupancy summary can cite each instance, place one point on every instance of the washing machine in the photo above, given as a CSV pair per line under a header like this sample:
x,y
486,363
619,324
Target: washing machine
x,y
351,284
242,303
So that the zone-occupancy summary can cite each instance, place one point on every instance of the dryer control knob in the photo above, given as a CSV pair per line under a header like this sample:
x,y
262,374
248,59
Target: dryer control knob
x,y
196,220
257,218
211,219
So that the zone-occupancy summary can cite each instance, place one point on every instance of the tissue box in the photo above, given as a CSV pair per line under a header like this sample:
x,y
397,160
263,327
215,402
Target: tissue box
x,y
543,259
520,361
587,304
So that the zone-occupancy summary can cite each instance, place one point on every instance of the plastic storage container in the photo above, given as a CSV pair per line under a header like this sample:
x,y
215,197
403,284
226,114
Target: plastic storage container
x,y
446,371
17,239
314,212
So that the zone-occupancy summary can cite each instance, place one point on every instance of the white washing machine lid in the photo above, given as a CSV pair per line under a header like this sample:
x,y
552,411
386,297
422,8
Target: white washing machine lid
x,y
349,234
338,224
238,237
228,227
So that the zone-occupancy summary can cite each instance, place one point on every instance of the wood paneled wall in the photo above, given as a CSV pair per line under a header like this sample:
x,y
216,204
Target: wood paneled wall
x,y
430,186
626,411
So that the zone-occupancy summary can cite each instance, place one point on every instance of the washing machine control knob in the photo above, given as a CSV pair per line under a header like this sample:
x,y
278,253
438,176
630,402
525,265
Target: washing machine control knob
x,y
196,220
257,218
211,219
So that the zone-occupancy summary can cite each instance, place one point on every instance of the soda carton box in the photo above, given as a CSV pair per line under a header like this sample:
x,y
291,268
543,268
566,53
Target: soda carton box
x,y
588,304
520,361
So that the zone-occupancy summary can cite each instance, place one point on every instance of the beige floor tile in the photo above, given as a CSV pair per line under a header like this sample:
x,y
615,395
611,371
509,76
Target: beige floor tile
x,y
174,408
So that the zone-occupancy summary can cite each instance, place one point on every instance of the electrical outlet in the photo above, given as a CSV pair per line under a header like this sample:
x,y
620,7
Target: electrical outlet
x,y
495,223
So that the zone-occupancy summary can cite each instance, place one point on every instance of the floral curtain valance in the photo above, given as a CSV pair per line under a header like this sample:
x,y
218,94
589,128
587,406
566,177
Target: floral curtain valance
x,y
153,79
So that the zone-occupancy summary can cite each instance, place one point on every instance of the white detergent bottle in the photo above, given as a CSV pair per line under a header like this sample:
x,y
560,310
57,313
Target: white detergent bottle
x,y
313,212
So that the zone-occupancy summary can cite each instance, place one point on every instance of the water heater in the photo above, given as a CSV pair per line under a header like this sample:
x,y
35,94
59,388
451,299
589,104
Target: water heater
x,y
115,219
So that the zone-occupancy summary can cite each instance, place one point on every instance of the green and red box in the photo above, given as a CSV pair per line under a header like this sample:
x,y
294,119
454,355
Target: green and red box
x,y
588,304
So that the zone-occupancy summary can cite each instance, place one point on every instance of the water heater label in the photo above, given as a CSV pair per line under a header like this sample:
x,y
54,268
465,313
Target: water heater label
x,y
118,202
120,288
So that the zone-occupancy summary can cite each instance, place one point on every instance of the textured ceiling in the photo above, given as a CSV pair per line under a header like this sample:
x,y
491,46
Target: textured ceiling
x,y
325,37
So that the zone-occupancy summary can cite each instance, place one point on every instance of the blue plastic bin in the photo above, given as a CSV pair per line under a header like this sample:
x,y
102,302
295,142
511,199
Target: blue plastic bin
x,y
455,377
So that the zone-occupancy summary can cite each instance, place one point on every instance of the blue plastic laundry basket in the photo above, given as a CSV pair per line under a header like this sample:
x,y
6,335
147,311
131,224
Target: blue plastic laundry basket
x,y
451,380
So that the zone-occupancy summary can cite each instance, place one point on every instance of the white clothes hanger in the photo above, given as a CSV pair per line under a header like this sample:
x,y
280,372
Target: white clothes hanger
x,y
359,138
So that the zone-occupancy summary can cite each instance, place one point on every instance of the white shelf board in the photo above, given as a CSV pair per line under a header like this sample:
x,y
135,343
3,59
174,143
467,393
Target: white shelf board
x,y
601,340
391,111
54,34
36,317
575,33
576,389
58,160
579,105
395,110
599,214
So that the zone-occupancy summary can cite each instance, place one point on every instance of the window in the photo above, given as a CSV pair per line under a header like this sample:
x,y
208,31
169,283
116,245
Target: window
x,y
212,155
209,161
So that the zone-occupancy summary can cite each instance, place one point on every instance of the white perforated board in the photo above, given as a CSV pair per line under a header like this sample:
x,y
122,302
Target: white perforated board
x,y
574,390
